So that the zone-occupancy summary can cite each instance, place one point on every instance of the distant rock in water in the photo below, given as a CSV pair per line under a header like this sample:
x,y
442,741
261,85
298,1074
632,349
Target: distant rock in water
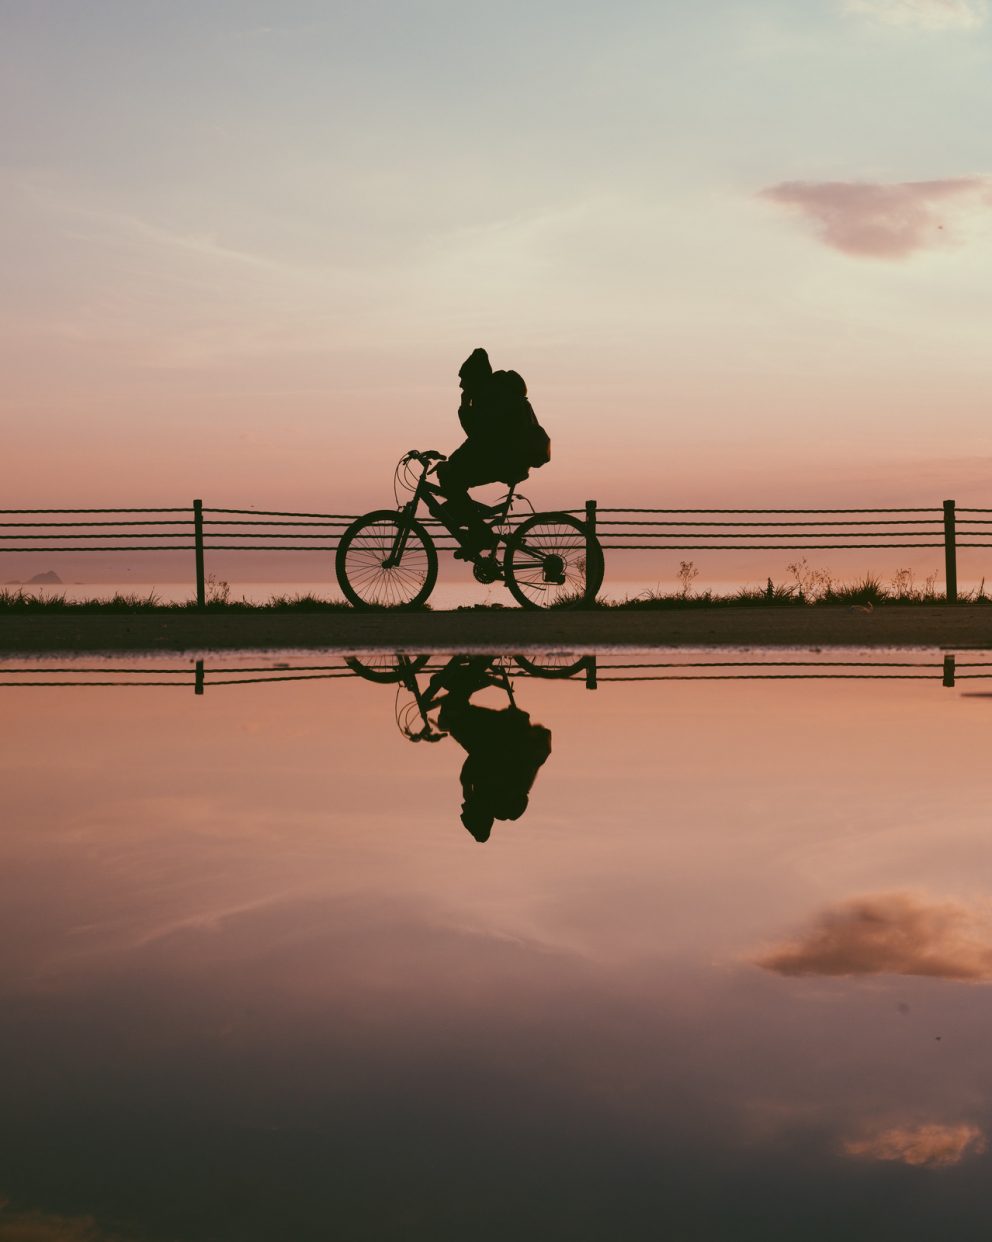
x,y
50,577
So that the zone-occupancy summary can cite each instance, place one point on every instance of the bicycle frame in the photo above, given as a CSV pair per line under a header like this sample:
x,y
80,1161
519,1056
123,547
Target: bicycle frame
x,y
428,493
533,554
426,701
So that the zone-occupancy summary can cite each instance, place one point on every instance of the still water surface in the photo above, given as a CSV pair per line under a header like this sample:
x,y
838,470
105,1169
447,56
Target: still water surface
x,y
726,975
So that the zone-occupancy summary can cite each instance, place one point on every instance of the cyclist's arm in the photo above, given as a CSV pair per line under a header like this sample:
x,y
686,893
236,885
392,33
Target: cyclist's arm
x,y
471,418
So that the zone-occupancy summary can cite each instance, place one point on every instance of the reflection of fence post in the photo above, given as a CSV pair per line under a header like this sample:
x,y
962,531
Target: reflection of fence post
x,y
590,663
950,555
201,590
198,686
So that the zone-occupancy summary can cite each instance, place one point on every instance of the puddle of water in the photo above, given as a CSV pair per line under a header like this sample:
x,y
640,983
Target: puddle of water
x,y
725,975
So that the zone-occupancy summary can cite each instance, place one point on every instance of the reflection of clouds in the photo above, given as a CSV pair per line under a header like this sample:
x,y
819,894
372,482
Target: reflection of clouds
x,y
874,220
934,1145
890,933
45,1227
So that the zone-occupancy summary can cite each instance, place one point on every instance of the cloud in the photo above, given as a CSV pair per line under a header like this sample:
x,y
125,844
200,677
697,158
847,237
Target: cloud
x,y
936,1146
890,933
873,220
46,1227
923,14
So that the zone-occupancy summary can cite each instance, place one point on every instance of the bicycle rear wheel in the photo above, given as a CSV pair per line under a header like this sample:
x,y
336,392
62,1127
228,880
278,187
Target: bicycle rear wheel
x,y
552,562
552,665
364,574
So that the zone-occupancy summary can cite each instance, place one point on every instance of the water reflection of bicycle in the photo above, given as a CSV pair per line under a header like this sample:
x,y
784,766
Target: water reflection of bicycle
x,y
416,706
388,559
504,749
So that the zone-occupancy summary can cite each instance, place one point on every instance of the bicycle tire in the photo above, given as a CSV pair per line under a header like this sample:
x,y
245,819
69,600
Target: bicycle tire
x,y
365,583
560,535
389,671
548,669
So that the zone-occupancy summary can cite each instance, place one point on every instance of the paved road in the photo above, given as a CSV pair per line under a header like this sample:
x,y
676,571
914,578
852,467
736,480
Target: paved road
x,y
953,627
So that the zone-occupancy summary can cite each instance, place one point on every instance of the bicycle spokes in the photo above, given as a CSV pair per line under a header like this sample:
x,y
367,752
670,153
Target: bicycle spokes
x,y
551,562
386,561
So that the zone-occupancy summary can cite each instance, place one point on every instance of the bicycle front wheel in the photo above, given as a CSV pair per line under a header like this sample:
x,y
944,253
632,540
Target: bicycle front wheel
x,y
552,562
386,669
376,569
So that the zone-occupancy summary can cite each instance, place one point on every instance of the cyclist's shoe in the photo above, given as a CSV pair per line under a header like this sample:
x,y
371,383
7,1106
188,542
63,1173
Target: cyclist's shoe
x,y
476,543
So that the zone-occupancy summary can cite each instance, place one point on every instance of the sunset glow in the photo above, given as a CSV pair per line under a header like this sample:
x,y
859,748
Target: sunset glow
x,y
741,253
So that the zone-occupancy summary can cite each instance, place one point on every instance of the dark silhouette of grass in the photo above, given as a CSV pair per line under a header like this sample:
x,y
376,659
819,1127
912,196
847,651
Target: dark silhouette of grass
x,y
25,601
860,594
869,591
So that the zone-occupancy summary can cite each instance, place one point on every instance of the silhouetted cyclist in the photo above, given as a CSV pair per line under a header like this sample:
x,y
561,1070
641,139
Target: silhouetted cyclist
x,y
504,440
505,751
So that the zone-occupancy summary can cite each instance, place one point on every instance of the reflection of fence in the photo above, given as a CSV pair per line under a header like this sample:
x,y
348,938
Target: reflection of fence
x,y
792,670
591,671
201,530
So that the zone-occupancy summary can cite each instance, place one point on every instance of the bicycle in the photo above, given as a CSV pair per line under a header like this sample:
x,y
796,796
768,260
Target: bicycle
x,y
388,559
413,704
415,707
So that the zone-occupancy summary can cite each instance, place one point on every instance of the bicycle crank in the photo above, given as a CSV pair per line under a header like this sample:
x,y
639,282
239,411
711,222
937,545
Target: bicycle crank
x,y
486,569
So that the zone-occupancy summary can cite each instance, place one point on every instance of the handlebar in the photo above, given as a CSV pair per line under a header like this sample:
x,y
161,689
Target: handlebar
x,y
425,458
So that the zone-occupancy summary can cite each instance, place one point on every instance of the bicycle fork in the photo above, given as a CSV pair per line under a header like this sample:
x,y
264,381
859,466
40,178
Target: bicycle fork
x,y
400,542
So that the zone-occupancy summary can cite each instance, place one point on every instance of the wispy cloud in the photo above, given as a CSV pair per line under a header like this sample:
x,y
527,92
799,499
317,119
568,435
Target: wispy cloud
x,y
47,1227
933,1145
890,933
922,14
108,225
874,220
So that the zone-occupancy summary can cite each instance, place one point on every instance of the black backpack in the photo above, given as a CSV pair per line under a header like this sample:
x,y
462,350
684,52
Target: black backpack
x,y
539,442
523,429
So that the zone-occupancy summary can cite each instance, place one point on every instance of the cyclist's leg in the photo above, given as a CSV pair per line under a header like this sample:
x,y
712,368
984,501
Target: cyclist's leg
x,y
456,475
460,678
468,466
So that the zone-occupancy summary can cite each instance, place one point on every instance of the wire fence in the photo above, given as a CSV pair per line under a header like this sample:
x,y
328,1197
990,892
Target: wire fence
x,y
200,530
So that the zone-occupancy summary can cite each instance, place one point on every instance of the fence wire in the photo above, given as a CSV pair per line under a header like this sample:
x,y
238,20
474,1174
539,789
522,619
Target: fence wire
x,y
588,670
627,529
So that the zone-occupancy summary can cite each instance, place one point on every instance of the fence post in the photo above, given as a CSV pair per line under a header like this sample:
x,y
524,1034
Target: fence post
x,y
198,684
950,554
590,527
949,671
201,589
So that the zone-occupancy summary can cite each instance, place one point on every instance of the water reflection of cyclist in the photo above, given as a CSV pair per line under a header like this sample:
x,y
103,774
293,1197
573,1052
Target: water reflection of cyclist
x,y
504,749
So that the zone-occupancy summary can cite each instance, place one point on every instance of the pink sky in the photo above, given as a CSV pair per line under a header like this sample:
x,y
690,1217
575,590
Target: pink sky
x,y
257,287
